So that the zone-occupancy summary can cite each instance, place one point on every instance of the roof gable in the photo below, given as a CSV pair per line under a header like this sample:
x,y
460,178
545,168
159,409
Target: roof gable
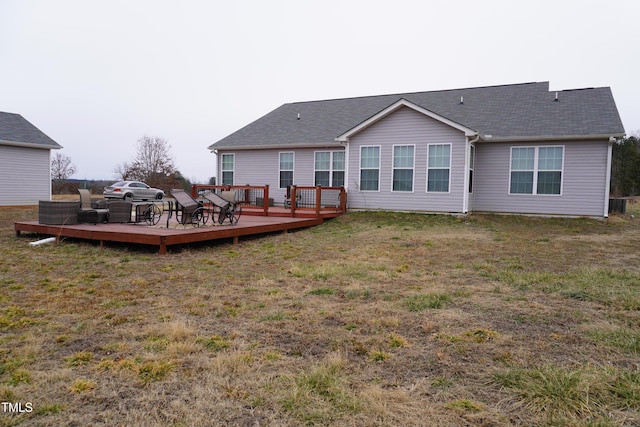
x,y
395,107
518,111
16,130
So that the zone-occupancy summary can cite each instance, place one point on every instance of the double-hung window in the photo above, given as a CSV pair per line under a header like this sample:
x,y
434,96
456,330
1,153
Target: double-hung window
x,y
550,170
536,170
438,168
286,169
228,164
323,168
370,168
403,165
337,172
329,168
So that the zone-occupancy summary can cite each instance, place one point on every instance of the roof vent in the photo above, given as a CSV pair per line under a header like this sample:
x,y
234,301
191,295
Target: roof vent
x,y
461,100
556,100
298,116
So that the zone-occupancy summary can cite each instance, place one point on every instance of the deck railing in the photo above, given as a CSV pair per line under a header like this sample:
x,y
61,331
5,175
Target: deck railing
x,y
317,199
247,195
302,198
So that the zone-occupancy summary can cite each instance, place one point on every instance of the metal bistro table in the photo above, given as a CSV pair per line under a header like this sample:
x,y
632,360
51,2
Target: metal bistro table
x,y
148,212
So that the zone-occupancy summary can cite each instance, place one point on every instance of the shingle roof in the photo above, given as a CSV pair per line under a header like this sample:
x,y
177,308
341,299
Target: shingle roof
x,y
16,130
527,110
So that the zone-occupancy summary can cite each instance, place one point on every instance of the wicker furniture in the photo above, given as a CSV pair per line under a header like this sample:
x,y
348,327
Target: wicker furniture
x,y
119,212
58,212
88,212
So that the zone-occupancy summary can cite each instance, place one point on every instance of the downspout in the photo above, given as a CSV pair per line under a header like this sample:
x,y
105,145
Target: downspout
x,y
50,180
345,143
612,140
215,163
467,158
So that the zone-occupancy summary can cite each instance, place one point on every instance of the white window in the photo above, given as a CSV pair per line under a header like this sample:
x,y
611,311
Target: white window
x,y
550,161
536,170
338,165
228,165
403,164
286,169
438,168
329,168
370,168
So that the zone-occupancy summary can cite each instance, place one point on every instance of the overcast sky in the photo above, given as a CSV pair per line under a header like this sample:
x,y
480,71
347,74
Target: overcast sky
x,y
97,75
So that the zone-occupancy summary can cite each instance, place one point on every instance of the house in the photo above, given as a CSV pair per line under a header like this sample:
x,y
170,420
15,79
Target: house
x,y
25,162
518,148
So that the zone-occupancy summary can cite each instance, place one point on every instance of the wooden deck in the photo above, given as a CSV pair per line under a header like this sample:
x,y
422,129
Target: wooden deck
x,y
175,234
281,212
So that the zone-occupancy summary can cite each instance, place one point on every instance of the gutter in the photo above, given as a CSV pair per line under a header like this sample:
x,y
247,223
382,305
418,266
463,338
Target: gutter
x,y
490,138
30,145
271,147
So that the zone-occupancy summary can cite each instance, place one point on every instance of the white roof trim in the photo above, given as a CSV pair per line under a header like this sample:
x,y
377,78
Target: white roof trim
x,y
30,145
318,146
489,138
397,105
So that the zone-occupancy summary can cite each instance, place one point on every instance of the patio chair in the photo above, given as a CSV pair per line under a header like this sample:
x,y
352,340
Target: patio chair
x,y
287,198
119,211
225,206
89,211
188,210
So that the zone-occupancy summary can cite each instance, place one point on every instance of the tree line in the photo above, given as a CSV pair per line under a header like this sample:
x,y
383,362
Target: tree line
x,y
625,167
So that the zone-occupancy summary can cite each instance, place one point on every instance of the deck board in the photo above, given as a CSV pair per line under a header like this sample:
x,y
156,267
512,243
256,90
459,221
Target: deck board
x,y
163,237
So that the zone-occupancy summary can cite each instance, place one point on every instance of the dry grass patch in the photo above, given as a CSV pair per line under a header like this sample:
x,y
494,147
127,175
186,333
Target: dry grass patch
x,y
371,319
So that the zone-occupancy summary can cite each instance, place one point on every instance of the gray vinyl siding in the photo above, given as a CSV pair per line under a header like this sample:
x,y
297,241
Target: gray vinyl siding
x,y
25,176
262,167
407,127
583,180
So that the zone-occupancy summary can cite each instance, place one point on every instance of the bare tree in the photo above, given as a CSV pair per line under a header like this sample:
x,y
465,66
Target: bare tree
x,y
61,170
122,171
61,167
153,158
152,164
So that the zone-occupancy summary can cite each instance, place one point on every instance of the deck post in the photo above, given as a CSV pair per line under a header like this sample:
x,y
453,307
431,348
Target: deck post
x,y
247,192
318,199
293,200
343,200
162,249
266,200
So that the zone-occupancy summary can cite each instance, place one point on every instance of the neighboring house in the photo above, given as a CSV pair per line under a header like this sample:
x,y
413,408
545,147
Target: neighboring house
x,y
25,162
513,149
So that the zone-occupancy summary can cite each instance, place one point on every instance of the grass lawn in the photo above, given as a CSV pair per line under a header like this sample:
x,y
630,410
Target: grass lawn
x,y
372,319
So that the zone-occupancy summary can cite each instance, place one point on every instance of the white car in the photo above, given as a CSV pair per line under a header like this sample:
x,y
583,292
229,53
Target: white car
x,y
132,191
